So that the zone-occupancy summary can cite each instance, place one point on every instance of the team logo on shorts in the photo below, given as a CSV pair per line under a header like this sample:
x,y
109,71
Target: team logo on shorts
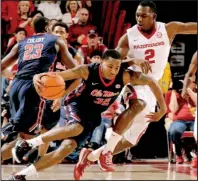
x,y
159,34
117,86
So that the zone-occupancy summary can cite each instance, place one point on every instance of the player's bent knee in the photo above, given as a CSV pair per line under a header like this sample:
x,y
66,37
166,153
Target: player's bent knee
x,y
137,104
75,129
68,145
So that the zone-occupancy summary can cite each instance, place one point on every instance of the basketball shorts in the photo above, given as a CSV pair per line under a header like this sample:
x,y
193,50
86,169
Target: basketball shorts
x,y
25,106
73,113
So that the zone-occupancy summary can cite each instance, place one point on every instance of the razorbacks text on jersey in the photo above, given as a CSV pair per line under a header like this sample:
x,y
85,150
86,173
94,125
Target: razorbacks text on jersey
x,y
155,48
94,93
36,54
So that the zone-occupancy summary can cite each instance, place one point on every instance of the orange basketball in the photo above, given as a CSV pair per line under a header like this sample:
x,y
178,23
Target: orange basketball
x,y
54,87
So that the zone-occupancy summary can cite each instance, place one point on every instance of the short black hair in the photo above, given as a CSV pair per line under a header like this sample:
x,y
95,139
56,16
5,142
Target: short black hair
x,y
96,53
20,29
36,12
61,24
150,4
40,24
111,53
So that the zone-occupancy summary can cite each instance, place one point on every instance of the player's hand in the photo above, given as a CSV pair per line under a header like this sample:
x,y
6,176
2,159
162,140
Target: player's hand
x,y
37,80
144,65
56,104
155,116
184,93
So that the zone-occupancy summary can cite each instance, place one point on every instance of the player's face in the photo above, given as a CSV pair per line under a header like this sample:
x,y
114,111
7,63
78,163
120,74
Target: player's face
x,y
60,32
110,68
20,36
145,18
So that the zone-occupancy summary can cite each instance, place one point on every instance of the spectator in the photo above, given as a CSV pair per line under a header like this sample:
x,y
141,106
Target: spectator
x,y
92,45
28,24
96,56
12,10
179,110
20,34
72,15
50,9
79,31
52,22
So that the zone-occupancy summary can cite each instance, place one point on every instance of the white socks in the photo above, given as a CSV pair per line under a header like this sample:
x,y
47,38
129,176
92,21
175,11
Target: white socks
x,y
29,171
94,155
36,141
112,142
110,146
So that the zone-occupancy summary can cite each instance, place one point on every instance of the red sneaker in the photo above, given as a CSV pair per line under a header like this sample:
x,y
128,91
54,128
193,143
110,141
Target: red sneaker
x,y
82,163
105,162
194,163
179,160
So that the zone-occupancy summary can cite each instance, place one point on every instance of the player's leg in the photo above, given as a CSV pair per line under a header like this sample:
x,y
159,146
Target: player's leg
x,y
86,156
58,133
194,161
43,148
6,150
48,160
123,122
49,121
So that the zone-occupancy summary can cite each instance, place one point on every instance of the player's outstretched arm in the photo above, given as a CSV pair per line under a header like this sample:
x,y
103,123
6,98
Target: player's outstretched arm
x,y
175,27
191,71
78,72
9,59
65,56
138,78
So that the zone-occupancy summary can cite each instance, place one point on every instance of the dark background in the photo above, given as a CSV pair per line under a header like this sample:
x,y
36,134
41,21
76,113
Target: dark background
x,y
154,142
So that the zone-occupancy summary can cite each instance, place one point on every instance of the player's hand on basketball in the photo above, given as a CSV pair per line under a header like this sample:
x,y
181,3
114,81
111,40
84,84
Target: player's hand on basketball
x,y
144,64
155,116
56,104
37,80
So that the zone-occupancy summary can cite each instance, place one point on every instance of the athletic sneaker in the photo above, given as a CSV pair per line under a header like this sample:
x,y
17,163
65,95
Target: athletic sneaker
x,y
105,162
194,163
21,148
82,163
16,177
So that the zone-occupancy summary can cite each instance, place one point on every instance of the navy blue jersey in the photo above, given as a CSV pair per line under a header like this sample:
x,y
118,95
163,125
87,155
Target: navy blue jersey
x,y
36,54
96,94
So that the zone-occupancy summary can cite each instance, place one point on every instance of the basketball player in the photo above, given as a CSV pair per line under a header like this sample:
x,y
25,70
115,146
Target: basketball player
x,y
51,112
191,72
36,54
149,40
81,113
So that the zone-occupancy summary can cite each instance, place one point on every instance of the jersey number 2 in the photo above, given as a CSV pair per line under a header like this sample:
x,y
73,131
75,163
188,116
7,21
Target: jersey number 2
x,y
30,48
149,54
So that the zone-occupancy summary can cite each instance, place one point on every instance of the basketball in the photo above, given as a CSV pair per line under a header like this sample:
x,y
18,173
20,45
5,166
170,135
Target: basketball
x,y
54,87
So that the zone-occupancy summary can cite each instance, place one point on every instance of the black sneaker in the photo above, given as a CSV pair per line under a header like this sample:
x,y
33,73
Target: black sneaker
x,y
16,177
21,148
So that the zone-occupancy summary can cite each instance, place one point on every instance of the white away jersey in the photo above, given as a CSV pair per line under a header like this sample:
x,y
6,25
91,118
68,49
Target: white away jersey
x,y
154,48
